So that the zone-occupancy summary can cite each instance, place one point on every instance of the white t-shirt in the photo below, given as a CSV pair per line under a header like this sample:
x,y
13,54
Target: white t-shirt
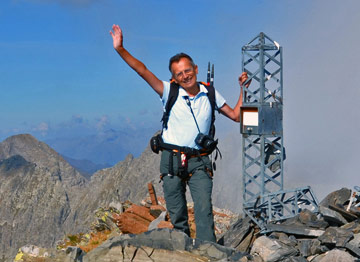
x,y
182,129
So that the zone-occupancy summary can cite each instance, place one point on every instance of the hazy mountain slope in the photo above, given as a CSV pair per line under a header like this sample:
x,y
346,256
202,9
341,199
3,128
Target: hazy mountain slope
x,y
34,204
86,167
37,191
127,180
42,155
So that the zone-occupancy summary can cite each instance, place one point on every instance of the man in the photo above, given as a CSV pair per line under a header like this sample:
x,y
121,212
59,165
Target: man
x,y
190,115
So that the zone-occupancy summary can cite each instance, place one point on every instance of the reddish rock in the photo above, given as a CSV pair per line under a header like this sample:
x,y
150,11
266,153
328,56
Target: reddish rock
x,y
140,211
130,223
156,210
219,214
152,194
157,207
165,224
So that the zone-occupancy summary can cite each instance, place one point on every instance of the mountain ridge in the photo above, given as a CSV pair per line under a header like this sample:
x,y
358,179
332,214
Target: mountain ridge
x,y
38,189
43,197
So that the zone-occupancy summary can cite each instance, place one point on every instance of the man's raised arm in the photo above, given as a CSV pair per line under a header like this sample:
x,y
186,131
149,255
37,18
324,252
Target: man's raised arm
x,y
135,64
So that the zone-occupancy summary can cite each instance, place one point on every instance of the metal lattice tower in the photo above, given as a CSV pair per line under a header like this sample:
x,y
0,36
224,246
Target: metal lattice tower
x,y
263,153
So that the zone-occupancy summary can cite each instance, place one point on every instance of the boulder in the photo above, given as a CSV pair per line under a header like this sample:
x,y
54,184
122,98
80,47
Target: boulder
x,y
236,233
336,237
160,245
337,197
332,216
272,250
337,255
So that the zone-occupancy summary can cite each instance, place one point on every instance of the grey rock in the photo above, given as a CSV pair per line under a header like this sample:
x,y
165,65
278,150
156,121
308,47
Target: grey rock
x,y
296,230
310,219
212,251
283,238
317,248
304,247
154,224
336,236
245,244
316,258
337,197
293,221
355,210
272,250
306,216
354,245
349,216
337,255
356,240
121,253
332,216
159,245
164,238
295,259
354,226
236,233
353,249
238,257
74,254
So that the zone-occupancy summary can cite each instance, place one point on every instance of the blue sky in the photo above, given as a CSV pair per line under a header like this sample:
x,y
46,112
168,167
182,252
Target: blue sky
x,y
57,61
58,69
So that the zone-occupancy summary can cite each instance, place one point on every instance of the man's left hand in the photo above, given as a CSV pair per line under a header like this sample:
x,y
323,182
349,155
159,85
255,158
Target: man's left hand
x,y
242,78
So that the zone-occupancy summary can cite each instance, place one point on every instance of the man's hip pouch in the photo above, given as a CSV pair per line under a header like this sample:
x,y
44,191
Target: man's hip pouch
x,y
171,165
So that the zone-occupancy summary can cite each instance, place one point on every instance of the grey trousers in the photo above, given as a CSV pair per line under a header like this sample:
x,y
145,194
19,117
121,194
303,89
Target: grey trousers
x,y
200,185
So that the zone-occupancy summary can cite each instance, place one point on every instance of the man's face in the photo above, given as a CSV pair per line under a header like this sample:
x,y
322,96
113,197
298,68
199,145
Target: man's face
x,y
184,73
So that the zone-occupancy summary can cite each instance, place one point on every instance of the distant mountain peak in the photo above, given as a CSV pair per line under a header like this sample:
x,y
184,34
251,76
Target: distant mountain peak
x,y
31,149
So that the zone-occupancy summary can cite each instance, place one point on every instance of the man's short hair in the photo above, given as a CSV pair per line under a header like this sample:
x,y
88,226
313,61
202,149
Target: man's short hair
x,y
177,57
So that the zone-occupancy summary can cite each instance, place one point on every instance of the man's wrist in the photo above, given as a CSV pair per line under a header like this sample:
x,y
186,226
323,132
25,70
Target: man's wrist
x,y
120,49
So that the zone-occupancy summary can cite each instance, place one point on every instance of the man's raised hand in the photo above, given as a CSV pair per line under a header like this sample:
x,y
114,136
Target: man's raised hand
x,y
242,78
117,36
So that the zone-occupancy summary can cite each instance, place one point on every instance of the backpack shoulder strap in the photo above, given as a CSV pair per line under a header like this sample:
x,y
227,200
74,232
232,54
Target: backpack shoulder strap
x,y
211,95
173,95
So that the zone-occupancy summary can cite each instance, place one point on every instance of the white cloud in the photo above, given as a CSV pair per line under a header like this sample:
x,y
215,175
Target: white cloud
x,y
102,122
43,128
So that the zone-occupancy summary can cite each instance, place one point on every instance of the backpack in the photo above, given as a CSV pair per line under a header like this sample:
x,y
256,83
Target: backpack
x,y
173,95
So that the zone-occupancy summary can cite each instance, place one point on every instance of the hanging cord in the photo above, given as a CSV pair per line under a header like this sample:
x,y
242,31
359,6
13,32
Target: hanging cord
x,y
189,104
216,149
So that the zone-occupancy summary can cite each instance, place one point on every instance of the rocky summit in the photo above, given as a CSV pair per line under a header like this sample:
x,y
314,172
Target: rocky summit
x,y
47,211
130,234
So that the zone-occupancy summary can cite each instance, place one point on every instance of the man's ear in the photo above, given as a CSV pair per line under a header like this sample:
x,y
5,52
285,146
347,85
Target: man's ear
x,y
196,69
